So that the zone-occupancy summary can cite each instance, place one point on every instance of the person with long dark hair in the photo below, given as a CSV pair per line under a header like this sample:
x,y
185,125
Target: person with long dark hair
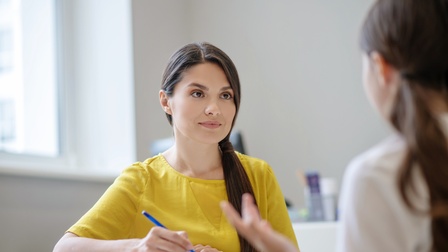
x,y
395,195
183,186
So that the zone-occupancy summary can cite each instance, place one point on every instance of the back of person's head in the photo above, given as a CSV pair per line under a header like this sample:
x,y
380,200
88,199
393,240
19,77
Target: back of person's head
x,y
412,36
236,179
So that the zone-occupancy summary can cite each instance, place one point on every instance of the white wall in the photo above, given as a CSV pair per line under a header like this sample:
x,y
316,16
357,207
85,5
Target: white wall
x,y
159,28
303,105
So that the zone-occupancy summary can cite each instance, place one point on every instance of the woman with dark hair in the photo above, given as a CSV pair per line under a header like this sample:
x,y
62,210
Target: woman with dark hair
x,y
183,186
394,196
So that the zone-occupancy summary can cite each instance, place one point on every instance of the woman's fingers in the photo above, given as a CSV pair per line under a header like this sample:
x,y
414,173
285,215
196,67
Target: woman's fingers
x,y
250,219
250,212
167,240
256,230
206,248
232,215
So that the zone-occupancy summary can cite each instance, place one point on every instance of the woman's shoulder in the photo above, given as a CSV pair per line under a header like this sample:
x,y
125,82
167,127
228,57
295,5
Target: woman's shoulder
x,y
372,172
254,165
155,161
250,160
150,165
384,157
375,168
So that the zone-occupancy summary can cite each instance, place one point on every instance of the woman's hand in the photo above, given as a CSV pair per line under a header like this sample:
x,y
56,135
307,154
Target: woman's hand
x,y
255,230
161,239
206,248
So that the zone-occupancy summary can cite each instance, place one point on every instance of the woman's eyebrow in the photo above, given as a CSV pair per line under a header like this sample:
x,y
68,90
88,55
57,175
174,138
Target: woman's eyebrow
x,y
226,88
200,86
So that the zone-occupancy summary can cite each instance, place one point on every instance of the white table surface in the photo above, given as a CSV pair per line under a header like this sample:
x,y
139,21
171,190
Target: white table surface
x,y
316,236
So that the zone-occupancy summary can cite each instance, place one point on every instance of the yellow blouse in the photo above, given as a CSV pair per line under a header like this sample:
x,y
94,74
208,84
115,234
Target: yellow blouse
x,y
180,203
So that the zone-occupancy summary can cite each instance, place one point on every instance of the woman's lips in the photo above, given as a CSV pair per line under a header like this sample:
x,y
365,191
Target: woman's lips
x,y
210,124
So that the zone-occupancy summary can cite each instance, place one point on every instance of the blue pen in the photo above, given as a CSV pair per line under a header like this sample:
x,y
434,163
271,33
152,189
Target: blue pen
x,y
152,219
156,222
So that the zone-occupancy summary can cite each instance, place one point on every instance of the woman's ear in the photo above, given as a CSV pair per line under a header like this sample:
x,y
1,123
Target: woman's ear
x,y
384,71
164,102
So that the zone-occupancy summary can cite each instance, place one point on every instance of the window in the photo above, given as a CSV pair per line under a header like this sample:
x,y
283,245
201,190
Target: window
x,y
28,88
66,87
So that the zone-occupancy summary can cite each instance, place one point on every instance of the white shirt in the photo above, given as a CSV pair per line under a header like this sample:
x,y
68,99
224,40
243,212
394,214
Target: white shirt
x,y
373,214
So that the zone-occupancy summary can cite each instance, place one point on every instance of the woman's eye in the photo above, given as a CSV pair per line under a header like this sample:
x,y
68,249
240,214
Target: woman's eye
x,y
227,96
197,94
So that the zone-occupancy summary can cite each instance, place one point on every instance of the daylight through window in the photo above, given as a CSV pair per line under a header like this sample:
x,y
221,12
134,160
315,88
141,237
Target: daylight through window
x,y
28,78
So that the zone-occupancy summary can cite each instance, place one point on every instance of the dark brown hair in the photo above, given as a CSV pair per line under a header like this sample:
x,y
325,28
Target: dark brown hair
x,y
412,36
237,182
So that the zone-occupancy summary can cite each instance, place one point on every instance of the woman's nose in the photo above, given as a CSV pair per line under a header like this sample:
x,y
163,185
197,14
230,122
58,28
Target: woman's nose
x,y
212,109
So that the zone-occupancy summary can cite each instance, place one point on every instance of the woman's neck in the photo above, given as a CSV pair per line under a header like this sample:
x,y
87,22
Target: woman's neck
x,y
199,162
